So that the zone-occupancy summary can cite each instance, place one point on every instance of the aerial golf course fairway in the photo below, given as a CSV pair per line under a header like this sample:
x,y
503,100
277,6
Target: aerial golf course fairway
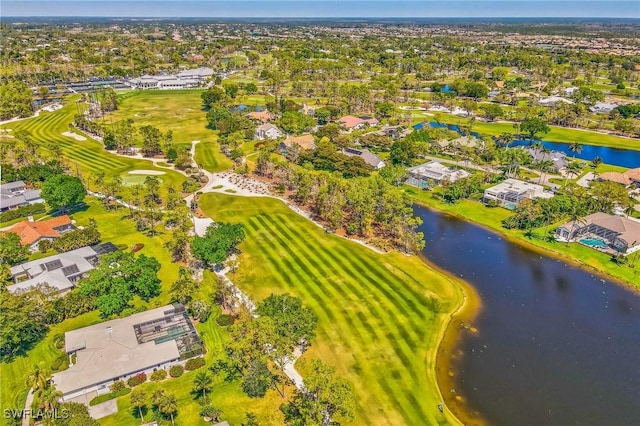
x,y
381,317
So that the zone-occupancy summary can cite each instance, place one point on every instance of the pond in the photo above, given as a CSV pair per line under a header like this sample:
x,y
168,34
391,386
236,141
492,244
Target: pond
x,y
555,344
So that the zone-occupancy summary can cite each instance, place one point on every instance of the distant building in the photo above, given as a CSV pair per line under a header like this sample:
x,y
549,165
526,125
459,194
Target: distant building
x,y
31,233
434,173
121,348
602,108
553,100
16,194
307,110
304,142
603,231
60,271
182,80
268,131
263,116
511,192
368,157
350,122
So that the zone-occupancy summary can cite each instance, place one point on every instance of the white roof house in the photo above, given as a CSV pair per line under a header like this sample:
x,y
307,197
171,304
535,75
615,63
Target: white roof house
x,y
510,192
16,194
617,232
602,107
434,172
118,349
268,131
553,100
60,271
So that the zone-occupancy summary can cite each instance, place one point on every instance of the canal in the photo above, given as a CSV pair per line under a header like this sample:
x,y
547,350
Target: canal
x,y
555,345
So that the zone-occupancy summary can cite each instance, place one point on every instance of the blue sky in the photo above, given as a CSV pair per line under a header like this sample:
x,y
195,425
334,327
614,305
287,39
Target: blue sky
x,y
324,8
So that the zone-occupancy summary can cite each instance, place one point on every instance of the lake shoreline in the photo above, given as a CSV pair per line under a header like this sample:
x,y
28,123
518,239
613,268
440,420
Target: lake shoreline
x,y
537,249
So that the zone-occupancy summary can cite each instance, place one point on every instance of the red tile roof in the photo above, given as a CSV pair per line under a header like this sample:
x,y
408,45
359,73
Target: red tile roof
x,y
30,232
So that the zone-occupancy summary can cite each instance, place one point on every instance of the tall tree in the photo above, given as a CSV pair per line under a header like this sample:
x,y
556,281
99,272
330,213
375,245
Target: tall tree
x,y
138,399
62,191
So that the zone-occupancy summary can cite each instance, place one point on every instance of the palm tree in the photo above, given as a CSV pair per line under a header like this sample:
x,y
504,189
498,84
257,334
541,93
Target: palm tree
x,y
576,148
158,396
139,400
39,378
202,382
48,398
211,412
169,405
505,139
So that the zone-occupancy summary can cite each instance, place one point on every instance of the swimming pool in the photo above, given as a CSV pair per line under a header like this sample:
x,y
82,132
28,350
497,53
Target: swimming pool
x,y
594,242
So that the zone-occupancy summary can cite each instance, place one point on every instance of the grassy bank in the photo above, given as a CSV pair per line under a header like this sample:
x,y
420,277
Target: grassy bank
x,y
557,134
381,317
492,218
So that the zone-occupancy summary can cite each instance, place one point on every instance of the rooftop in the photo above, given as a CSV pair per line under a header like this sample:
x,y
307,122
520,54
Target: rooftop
x,y
305,141
30,232
120,347
627,229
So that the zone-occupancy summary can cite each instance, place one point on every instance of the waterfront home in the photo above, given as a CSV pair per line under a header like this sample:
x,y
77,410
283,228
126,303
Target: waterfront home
x,y
350,122
603,231
31,233
60,272
630,178
121,348
263,116
602,107
553,100
433,173
267,131
15,194
559,159
510,192
368,157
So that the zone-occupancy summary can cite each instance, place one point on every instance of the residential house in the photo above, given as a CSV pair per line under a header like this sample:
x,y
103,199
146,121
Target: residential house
x,y
559,159
268,131
350,122
602,107
308,110
461,142
303,142
368,157
263,116
511,192
16,194
434,173
121,348
31,233
603,231
553,100
630,177
60,272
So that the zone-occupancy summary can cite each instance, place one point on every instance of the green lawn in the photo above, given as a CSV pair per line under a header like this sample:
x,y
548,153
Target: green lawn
x,y
492,218
87,157
557,134
208,156
177,110
381,317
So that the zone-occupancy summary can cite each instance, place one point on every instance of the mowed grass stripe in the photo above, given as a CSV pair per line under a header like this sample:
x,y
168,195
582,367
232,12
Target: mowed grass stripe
x,y
400,348
309,288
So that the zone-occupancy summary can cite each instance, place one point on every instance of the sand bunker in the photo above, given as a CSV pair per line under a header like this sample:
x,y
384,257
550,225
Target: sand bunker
x,y
74,136
146,172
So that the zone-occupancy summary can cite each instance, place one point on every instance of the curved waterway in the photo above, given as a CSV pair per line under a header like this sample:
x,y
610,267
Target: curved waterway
x,y
555,345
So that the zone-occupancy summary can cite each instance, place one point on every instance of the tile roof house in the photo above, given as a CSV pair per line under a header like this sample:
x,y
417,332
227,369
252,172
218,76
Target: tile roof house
x,y
630,177
31,233
350,122
304,141
121,348
267,131
617,232
16,194
368,157
60,271
262,116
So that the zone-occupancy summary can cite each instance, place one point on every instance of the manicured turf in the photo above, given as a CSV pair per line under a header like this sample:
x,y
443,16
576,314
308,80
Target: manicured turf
x,y
377,322
557,134
177,110
492,218
209,157
129,180
88,157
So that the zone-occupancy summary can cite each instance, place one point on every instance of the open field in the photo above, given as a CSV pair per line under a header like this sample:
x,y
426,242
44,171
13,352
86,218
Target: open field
x,y
379,324
177,110
492,218
557,134
87,157
208,156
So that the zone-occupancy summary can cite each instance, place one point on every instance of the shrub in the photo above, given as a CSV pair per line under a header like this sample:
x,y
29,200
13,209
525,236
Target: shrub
x,y
137,379
117,386
44,245
60,363
24,211
225,320
76,239
194,363
176,371
137,247
158,375
58,341
108,396
122,247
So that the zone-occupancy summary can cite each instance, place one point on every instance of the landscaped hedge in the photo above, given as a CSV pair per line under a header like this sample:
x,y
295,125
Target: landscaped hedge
x,y
137,379
225,320
194,363
24,211
60,363
176,371
108,396
76,239
158,375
